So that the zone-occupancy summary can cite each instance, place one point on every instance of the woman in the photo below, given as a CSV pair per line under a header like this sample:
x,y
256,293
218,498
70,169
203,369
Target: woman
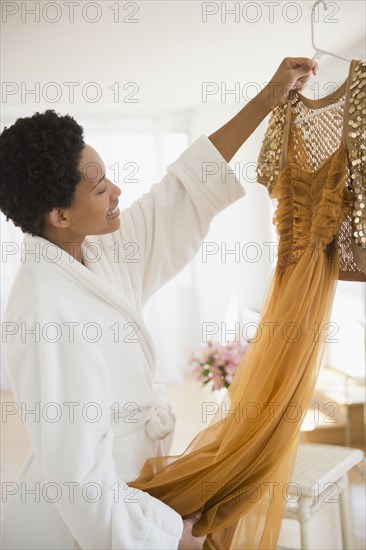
x,y
80,359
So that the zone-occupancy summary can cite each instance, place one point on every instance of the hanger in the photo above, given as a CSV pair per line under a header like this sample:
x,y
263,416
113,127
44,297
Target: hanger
x,y
318,55
318,51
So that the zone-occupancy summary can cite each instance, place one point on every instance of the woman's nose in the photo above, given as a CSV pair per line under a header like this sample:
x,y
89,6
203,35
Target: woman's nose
x,y
117,190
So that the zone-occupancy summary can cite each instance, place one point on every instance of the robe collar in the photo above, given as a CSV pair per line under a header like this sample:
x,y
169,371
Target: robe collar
x,y
41,250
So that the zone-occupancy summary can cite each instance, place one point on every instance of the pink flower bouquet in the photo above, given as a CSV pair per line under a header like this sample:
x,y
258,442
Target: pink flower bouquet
x,y
217,363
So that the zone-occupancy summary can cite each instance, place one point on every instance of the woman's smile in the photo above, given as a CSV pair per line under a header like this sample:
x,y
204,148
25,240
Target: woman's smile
x,y
114,213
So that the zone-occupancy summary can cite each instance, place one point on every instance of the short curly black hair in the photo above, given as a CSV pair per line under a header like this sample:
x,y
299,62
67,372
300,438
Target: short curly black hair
x,y
39,158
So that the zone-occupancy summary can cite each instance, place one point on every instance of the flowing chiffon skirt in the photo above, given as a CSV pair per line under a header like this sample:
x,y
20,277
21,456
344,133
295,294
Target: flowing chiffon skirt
x,y
237,470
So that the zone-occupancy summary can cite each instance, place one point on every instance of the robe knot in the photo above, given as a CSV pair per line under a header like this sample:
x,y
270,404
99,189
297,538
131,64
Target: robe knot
x,y
161,423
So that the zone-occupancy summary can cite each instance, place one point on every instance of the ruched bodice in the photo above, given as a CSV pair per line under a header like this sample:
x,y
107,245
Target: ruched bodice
x,y
311,207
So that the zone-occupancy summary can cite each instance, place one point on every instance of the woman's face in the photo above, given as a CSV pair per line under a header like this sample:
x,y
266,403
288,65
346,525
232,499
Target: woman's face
x,y
95,197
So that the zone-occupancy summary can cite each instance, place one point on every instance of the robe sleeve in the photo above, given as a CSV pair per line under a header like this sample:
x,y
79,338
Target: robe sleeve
x,y
67,385
169,223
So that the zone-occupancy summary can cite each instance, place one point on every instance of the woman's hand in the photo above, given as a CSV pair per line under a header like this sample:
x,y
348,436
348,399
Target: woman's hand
x,y
188,541
292,74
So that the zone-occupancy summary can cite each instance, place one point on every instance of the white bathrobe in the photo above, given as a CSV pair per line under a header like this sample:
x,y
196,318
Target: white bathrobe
x,y
81,366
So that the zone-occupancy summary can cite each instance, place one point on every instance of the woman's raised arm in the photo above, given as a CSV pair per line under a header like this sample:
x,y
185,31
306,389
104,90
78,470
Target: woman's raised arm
x,y
293,73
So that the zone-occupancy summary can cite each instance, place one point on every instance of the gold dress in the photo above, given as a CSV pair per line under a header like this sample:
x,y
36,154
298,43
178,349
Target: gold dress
x,y
237,470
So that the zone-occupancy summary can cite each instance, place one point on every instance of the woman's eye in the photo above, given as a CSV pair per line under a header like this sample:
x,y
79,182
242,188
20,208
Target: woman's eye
x,y
100,192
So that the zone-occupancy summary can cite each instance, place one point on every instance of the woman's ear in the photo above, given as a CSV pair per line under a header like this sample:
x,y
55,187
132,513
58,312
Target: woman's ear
x,y
57,217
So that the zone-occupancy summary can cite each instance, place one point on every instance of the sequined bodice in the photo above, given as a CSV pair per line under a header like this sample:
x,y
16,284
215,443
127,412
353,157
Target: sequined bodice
x,y
314,140
313,160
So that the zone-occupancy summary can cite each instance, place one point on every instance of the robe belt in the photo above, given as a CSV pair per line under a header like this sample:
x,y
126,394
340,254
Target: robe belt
x,y
157,419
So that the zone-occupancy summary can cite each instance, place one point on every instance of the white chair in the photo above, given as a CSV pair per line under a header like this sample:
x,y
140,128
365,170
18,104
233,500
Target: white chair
x,y
320,476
